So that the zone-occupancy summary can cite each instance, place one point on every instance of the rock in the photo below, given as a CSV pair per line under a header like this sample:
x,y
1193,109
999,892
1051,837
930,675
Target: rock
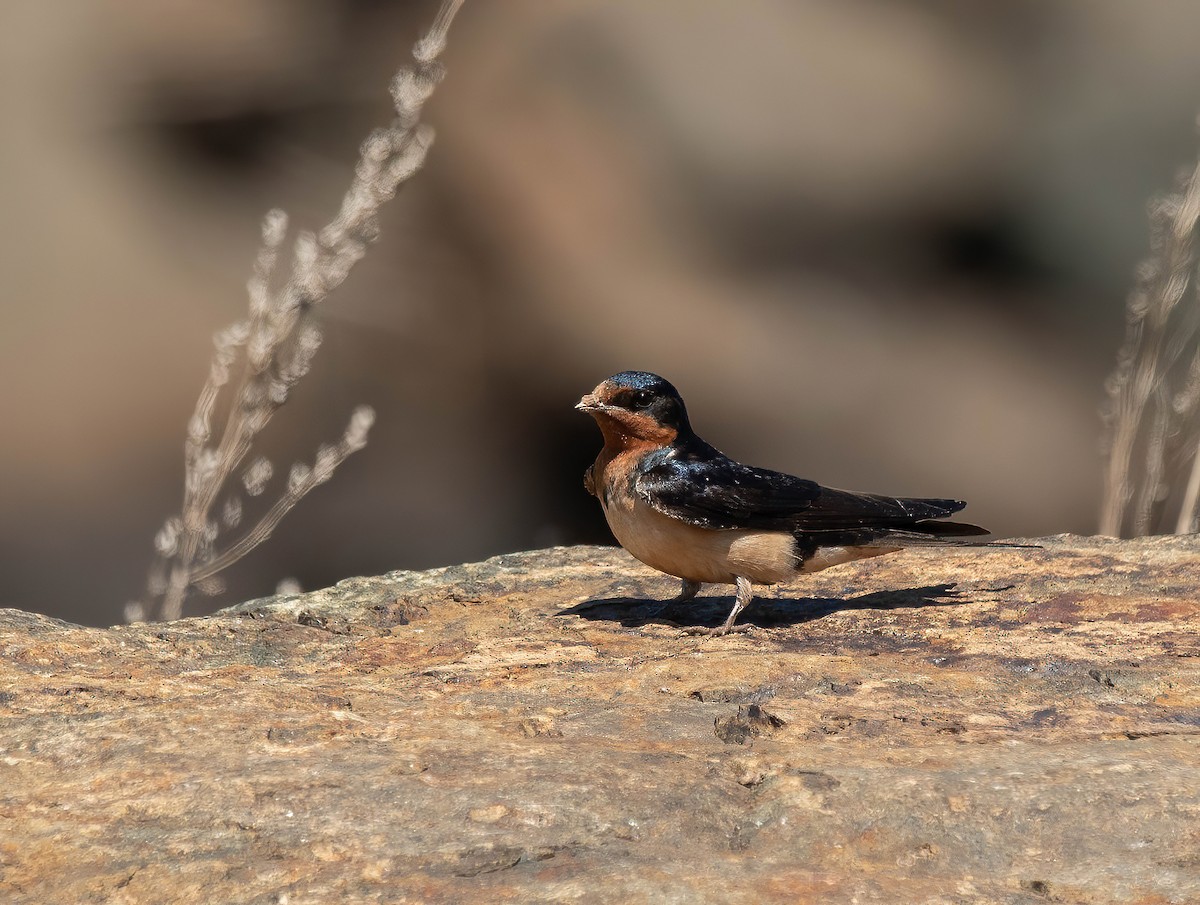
x,y
935,726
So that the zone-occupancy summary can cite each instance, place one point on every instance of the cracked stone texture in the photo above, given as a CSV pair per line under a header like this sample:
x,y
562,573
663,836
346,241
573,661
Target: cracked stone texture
x,y
1015,726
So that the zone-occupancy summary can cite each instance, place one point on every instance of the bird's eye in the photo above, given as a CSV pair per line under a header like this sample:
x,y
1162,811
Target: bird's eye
x,y
641,399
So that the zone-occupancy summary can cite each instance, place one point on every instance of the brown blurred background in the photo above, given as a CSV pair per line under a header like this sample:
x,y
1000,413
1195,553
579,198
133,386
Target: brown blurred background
x,y
881,243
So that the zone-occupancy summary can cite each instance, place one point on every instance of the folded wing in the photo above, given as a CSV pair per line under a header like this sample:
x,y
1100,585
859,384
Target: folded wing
x,y
703,487
708,489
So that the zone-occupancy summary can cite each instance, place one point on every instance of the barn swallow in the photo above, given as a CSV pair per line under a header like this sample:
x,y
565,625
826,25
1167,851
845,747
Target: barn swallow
x,y
684,508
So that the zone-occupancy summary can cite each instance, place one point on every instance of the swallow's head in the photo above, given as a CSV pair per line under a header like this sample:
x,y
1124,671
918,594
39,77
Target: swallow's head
x,y
636,405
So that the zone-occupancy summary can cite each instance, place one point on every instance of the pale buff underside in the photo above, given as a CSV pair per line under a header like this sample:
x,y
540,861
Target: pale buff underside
x,y
717,556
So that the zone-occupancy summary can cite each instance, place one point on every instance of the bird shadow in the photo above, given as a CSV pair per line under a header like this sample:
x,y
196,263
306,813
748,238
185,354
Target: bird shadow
x,y
765,612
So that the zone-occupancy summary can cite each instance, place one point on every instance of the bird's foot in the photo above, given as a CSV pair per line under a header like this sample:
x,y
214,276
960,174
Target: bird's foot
x,y
744,596
718,631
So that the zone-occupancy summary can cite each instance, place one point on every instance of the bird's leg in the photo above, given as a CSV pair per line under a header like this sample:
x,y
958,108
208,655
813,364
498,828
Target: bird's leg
x,y
687,592
745,594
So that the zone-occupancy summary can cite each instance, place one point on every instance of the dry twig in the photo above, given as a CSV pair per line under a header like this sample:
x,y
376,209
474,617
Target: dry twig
x,y
1152,436
276,344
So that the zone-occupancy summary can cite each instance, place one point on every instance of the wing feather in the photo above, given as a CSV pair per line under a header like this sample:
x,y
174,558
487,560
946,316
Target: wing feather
x,y
701,486
705,488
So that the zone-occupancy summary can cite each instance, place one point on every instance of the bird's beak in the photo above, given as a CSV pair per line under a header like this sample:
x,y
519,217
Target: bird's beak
x,y
589,403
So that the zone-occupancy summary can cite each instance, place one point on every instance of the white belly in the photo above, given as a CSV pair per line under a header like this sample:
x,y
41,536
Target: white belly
x,y
700,554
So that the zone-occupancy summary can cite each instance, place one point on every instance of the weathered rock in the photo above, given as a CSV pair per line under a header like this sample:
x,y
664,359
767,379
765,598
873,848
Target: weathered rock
x,y
935,726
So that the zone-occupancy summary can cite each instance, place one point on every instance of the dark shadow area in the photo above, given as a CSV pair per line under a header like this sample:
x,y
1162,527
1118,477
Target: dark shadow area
x,y
765,612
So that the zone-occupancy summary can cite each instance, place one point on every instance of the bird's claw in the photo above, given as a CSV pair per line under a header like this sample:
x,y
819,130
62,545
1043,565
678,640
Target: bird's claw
x,y
719,631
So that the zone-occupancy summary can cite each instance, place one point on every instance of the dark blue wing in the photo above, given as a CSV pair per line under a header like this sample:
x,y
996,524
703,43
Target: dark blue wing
x,y
699,485
705,488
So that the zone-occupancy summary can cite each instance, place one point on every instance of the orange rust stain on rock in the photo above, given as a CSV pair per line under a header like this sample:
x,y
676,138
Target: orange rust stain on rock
x,y
1167,610
369,654
1059,608
1081,606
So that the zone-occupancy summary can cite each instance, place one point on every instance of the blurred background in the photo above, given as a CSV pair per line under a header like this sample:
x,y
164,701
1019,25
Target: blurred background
x,y
881,243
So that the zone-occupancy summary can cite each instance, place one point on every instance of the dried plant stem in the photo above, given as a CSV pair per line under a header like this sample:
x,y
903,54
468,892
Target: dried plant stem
x,y
301,480
1189,510
276,344
1146,419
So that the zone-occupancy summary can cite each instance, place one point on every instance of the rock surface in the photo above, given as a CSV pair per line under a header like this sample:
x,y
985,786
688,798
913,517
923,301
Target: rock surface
x,y
965,726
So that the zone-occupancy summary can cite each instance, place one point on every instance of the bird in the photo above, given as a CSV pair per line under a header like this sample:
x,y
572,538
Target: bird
x,y
684,508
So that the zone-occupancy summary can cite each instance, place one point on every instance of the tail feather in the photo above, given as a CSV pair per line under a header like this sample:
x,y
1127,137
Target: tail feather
x,y
928,508
948,529
921,532
948,534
